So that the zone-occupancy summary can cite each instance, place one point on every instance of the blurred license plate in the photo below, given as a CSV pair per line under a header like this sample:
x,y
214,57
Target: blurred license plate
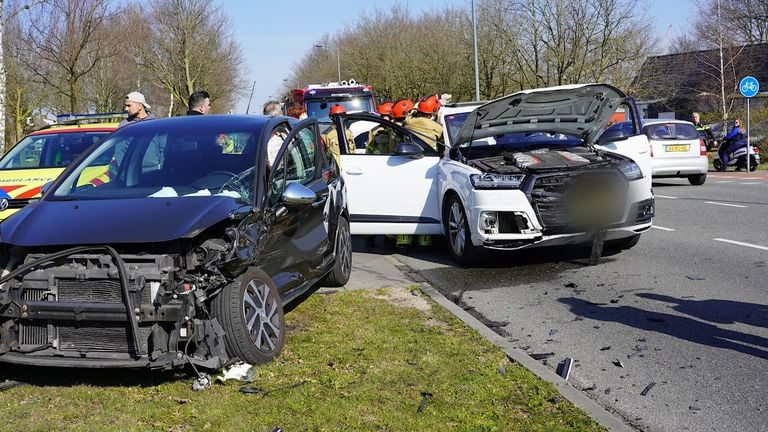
x,y
677,148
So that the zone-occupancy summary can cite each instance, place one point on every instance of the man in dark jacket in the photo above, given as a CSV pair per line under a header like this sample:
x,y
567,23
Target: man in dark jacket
x,y
137,108
199,103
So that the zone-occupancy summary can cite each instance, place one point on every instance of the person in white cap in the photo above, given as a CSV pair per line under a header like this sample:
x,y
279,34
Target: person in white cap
x,y
137,107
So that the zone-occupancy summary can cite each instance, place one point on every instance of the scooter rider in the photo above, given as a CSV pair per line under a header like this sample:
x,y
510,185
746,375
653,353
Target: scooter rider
x,y
731,142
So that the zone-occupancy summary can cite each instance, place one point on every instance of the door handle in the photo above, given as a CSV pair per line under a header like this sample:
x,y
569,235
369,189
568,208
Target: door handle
x,y
353,171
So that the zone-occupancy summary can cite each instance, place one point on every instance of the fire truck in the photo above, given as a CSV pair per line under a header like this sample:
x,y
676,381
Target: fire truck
x,y
317,99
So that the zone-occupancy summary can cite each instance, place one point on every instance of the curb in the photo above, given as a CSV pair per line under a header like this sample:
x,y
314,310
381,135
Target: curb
x,y
576,397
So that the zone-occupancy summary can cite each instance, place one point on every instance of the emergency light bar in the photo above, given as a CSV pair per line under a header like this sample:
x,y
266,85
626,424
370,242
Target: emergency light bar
x,y
71,119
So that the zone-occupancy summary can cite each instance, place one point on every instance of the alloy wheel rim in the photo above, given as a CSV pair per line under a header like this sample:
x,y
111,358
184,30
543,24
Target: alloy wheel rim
x,y
345,250
261,318
456,232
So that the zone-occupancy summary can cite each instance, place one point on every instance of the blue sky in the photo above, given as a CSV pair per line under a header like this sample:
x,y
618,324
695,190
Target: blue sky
x,y
276,34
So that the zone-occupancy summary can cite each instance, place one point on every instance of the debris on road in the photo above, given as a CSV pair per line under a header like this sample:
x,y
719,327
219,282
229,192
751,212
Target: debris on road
x,y
542,356
605,348
618,363
570,285
647,388
564,368
694,277
240,371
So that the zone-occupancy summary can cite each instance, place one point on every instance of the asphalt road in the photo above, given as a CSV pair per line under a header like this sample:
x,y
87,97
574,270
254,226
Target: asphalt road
x,y
671,335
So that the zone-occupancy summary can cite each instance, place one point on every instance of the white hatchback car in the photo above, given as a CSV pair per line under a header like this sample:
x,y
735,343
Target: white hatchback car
x,y
677,150
529,169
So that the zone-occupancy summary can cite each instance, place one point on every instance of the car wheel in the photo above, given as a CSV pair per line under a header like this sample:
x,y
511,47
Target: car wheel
x,y
718,164
342,267
251,312
625,243
459,236
697,180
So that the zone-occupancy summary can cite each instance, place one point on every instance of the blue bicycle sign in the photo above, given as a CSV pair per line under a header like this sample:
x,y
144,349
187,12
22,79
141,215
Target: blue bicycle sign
x,y
749,86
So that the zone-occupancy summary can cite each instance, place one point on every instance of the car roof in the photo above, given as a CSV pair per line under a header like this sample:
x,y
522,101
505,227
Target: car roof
x,y
664,121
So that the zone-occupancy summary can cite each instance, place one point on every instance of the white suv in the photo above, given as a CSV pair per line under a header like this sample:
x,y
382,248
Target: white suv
x,y
529,169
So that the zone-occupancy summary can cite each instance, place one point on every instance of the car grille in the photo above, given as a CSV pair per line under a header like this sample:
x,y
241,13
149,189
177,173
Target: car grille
x,y
575,202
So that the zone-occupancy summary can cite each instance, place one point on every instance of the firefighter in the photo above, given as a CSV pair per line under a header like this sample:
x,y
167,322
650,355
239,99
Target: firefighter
x,y
401,110
423,123
381,140
332,138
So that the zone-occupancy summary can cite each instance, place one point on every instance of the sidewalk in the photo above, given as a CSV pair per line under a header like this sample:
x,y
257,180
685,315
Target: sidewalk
x,y
376,270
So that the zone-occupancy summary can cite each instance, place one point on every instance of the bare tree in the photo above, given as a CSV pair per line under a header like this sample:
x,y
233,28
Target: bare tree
x,y
190,47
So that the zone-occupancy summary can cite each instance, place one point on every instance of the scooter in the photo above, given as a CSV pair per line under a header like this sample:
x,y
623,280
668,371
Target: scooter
x,y
738,160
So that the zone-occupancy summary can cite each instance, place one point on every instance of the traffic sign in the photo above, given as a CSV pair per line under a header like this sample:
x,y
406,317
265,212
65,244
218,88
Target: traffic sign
x,y
749,86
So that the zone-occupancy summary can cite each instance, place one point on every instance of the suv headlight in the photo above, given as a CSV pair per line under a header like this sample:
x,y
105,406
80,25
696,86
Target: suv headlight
x,y
631,171
496,181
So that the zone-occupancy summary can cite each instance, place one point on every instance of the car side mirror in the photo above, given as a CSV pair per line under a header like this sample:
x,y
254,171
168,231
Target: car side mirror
x,y
45,187
296,194
612,135
408,149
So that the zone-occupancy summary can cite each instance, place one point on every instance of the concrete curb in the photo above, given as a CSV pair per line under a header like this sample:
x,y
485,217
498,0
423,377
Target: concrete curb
x,y
598,413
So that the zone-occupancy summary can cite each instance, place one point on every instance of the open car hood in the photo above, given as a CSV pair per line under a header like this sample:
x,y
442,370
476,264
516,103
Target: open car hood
x,y
581,110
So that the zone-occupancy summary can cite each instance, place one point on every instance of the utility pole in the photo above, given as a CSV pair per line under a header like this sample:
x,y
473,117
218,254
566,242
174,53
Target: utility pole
x,y
474,44
248,108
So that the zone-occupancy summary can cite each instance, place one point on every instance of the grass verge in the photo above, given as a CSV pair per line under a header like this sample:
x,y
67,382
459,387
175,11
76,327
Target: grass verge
x,y
354,360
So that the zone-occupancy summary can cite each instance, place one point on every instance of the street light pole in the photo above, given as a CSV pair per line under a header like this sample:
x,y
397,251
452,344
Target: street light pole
x,y
474,44
338,59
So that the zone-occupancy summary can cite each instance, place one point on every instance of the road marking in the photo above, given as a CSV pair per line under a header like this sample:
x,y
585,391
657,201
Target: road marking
x,y
662,228
665,196
751,183
724,204
741,243
724,181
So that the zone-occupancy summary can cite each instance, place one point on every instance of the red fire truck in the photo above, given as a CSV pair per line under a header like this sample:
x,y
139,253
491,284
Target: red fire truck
x,y
317,99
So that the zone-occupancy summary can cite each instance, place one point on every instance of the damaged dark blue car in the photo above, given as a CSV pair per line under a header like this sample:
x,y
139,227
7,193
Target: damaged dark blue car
x,y
173,242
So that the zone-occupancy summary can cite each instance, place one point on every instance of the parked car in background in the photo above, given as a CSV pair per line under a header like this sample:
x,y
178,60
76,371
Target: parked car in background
x,y
42,155
677,150
526,170
182,251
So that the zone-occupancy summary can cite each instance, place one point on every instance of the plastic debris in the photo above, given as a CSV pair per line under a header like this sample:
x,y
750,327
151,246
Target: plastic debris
x,y
618,363
542,356
240,371
647,388
425,396
605,348
694,277
564,368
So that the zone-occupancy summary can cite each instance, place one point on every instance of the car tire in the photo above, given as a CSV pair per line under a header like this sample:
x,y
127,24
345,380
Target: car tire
x,y
342,266
719,166
251,312
457,232
625,243
697,179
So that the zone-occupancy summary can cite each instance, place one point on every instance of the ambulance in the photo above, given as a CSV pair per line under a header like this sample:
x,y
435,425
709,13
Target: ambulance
x,y
42,155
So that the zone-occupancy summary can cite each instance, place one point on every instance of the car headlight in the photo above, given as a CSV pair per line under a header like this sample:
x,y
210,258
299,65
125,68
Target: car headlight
x,y
631,171
496,181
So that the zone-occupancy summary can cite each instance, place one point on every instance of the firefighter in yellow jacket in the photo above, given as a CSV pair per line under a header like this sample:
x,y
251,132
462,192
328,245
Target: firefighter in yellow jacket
x,y
381,140
332,138
422,122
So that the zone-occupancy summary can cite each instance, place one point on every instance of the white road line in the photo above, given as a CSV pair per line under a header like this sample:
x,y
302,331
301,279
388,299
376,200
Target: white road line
x,y
740,243
724,181
662,228
751,183
724,204
665,196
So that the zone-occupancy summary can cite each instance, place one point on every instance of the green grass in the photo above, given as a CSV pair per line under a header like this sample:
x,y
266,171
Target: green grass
x,y
352,362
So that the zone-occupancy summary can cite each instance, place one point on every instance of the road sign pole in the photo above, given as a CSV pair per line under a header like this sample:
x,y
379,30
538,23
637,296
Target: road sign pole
x,y
749,147
748,86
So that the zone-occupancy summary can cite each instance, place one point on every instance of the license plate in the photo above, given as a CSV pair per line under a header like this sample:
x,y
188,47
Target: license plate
x,y
677,148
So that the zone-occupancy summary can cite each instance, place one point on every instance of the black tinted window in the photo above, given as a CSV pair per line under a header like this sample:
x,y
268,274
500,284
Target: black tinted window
x,y
671,131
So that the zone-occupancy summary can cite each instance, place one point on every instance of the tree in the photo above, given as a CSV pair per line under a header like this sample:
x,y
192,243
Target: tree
x,y
190,47
69,39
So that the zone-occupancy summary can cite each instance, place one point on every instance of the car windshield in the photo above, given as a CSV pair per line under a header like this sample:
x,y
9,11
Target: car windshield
x,y
671,131
453,123
164,162
319,108
50,150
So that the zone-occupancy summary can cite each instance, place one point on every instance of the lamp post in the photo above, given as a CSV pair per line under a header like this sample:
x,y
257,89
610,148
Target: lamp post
x,y
338,59
474,44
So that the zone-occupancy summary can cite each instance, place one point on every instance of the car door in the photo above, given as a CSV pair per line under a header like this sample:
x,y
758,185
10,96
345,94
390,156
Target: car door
x,y
634,146
389,193
299,233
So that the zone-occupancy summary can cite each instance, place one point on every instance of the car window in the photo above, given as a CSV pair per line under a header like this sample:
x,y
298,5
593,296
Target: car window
x,y
297,164
373,137
52,150
671,131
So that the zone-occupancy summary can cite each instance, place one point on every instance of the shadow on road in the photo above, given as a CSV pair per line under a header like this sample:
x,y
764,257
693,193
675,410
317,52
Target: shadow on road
x,y
673,325
718,311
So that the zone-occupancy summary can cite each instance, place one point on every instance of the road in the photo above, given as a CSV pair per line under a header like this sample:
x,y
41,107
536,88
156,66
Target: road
x,y
671,335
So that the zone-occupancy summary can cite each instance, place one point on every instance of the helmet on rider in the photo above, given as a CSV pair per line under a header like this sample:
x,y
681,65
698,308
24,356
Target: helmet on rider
x,y
401,108
428,104
385,109
336,109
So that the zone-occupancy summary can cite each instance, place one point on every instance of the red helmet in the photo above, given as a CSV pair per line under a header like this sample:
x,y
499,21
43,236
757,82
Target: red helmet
x,y
385,109
401,108
428,104
336,109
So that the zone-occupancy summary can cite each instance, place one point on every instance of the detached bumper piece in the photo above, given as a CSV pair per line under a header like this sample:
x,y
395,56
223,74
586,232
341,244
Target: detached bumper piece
x,y
78,309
